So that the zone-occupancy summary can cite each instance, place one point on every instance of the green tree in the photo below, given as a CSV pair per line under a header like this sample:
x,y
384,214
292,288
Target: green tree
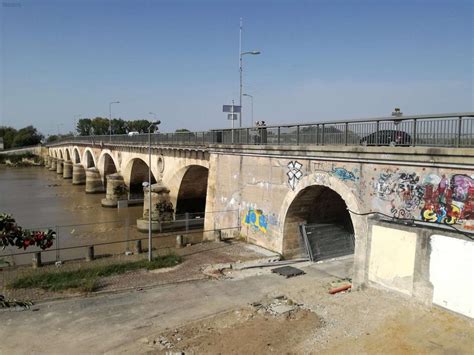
x,y
8,134
27,136
119,126
84,127
100,126
182,130
139,126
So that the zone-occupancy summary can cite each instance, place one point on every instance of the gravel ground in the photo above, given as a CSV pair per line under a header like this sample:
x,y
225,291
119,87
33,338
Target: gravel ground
x,y
195,259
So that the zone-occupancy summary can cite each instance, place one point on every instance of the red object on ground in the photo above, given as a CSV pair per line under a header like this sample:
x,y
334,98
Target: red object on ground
x,y
339,289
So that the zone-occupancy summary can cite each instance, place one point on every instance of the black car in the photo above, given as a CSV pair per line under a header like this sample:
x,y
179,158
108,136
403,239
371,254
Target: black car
x,y
387,137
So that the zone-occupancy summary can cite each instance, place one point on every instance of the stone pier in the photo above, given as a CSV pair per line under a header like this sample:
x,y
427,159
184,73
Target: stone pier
x,y
78,174
52,165
115,190
59,166
162,211
46,162
93,181
67,169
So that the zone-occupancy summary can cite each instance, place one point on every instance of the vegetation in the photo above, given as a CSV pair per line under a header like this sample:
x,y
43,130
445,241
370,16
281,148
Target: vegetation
x,y
26,136
14,235
17,158
86,279
100,126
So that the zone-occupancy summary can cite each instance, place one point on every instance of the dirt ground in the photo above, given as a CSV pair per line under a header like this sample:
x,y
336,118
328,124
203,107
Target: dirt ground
x,y
244,312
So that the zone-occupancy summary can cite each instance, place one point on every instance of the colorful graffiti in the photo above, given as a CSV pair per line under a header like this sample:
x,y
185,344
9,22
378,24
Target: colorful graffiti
x,y
256,219
294,173
448,200
344,174
435,199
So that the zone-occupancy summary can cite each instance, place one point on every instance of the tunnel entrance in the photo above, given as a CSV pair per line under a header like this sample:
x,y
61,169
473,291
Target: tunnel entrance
x,y
192,192
320,214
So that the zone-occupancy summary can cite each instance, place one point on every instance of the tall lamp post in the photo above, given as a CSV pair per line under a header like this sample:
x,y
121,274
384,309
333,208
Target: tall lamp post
x,y
251,105
110,118
153,124
241,54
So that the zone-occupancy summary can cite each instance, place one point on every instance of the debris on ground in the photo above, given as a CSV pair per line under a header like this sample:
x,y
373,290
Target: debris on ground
x,y
275,319
14,304
288,271
340,285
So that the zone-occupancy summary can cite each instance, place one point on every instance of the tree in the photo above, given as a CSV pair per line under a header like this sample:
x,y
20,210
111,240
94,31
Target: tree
x,y
182,130
8,134
139,126
119,126
84,127
27,136
100,126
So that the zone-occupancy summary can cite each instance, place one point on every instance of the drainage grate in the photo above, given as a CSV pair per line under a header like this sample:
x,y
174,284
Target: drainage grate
x,y
288,271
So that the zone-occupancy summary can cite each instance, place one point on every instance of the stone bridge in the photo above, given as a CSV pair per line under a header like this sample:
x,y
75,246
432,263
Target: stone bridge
x,y
409,209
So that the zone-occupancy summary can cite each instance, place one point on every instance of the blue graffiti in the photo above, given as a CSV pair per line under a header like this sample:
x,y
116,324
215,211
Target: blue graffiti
x,y
344,174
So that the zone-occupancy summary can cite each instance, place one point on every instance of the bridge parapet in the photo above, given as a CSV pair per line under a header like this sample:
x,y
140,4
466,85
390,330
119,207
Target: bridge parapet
x,y
439,130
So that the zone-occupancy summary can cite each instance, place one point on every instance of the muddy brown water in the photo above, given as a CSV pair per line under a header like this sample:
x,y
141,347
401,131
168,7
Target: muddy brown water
x,y
40,199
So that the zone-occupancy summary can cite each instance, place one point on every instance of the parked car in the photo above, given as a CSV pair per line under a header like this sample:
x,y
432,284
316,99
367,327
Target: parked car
x,y
387,137
133,133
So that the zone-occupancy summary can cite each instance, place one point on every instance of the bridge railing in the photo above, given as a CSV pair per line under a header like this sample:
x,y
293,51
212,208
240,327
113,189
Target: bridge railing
x,y
442,130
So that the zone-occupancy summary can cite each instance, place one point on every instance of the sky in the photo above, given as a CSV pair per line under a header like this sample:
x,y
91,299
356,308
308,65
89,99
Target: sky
x,y
319,61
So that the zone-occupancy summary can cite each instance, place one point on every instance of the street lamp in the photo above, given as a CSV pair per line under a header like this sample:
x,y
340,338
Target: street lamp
x,y
110,118
153,124
251,103
241,54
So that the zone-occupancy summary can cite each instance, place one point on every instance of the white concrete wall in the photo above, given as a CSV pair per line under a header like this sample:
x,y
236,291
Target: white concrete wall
x,y
392,258
452,273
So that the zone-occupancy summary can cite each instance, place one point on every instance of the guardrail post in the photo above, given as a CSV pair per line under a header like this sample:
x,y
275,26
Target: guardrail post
x,y
248,135
317,134
138,247
377,133
36,260
279,134
346,133
90,253
297,135
458,140
414,132
322,136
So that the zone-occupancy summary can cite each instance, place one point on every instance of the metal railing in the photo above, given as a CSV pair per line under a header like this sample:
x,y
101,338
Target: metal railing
x,y
441,130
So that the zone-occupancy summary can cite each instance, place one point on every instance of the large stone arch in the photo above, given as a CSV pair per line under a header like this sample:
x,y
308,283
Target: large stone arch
x,y
67,154
76,155
61,155
135,172
88,159
174,179
317,183
107,164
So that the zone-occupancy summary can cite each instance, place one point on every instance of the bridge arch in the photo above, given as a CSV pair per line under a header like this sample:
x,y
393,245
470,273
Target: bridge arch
x,y
107,164
88,159
61,156
189,189
76,155
320,198
67,154
134,173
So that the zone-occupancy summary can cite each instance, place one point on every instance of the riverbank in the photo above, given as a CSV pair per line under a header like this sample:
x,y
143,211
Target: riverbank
x,y
21,160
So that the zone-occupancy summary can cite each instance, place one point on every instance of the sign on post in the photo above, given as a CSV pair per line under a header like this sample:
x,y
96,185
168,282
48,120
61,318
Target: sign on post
x,y
231,108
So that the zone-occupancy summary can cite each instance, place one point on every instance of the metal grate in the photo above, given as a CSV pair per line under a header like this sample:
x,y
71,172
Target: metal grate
x,y
326,241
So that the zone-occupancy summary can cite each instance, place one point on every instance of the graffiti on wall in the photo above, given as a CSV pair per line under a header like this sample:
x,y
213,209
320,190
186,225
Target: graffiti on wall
x,y
448,200
294,173
345,175
256,219
436,199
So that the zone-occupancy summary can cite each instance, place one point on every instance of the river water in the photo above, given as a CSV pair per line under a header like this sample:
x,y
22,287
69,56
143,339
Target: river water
x,y
39,199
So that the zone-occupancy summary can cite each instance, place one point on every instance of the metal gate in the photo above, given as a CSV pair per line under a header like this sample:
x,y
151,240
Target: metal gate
x,y
326,241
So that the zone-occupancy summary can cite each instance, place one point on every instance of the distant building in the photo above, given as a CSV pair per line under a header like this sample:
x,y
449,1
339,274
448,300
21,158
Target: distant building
x,y
1,143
